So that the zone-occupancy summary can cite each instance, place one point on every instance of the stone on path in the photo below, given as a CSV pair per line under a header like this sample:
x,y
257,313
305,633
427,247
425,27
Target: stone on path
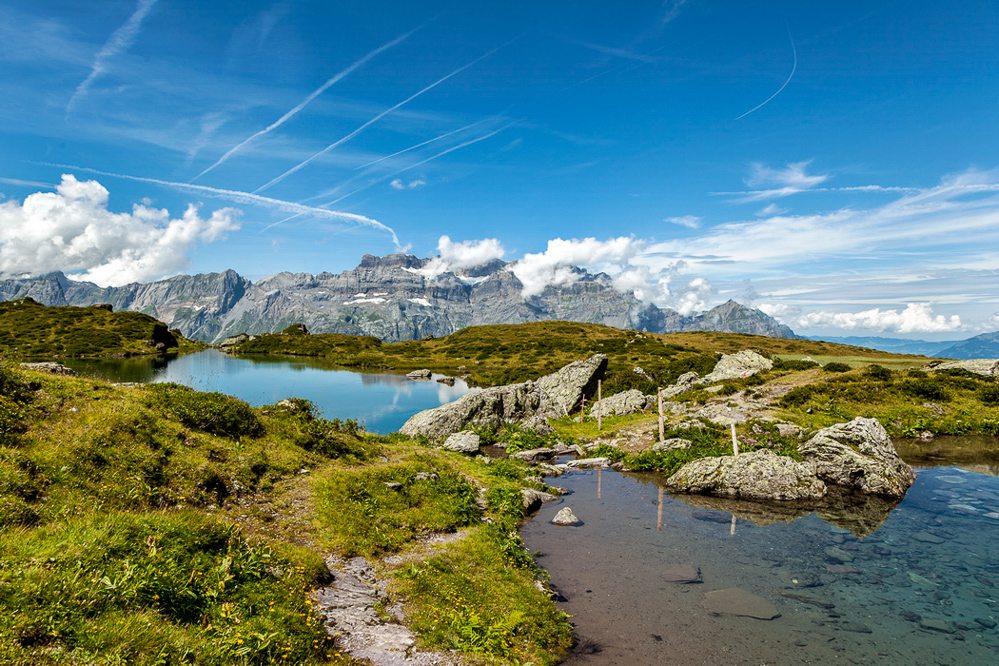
x,y
736,601
682,573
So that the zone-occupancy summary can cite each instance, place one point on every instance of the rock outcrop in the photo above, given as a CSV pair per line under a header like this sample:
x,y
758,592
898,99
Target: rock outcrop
x,y
858,455
760,475
466,441
527,403
737,366
622,404
980,366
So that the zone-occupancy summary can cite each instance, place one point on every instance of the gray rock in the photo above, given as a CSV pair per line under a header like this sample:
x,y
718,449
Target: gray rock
x,y
672,443
50,367
936,624
565,517
529,403
588,463
675,390
735,601
981,366
622,404
858,455
419,374
234,340
682,573
534,455
425,476
988,623
465,441
760,475
686,379
531,499
791,431
736,366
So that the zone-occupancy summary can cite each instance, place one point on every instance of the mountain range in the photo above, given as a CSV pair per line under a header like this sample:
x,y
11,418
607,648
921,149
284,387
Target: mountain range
x,y
396,297
985,345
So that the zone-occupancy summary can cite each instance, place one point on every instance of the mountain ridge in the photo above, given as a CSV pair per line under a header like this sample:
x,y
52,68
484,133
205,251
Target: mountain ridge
x,y
396,297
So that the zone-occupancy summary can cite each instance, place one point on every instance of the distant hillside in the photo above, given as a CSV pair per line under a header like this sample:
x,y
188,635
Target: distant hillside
x,y
985,345
392,298
895,345
29,329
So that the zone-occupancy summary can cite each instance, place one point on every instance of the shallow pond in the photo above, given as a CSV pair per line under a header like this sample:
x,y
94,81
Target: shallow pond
x,y
379,402
920,586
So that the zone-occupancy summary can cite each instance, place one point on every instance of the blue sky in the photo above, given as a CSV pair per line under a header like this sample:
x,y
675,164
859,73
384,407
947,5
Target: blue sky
x,y
833,163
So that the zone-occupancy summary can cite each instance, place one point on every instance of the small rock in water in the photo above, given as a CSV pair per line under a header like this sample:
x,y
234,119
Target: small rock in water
x,y
735,601
986,622
936,624
910,616
926,537
921,580
856,627
838,555
565,517
682,573
842,569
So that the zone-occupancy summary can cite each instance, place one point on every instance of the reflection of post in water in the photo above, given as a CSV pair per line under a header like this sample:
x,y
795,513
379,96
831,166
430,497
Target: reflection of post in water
x,y
731,532
599,481
659,525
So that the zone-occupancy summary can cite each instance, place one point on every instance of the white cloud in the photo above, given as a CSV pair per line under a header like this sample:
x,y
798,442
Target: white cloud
x,y
772,209
689,221
457,256
72,230
779,311
691,297
416,184
916,318
553,267
793,175
398,184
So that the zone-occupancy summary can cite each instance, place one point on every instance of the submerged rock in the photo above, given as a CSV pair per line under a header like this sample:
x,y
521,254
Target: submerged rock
x,y
761,475
735,601
858,455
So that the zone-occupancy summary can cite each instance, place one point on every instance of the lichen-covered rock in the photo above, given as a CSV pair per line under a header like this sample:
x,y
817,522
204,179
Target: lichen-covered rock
x,y
858,455
567,387
420,374
50,367
534,455
672,443
565,517
736,366
760,475
529,403
531,499
623,404
981,366
465,441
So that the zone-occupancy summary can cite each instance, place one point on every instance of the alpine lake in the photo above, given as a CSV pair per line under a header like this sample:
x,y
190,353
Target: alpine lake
x,y
651,578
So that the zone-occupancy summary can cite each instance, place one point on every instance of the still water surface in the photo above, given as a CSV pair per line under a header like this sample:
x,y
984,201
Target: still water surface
x,y
379,402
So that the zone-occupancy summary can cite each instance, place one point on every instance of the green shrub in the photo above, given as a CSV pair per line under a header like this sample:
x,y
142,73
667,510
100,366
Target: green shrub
x,y
214,413
789,365
836,367
989,395
878,373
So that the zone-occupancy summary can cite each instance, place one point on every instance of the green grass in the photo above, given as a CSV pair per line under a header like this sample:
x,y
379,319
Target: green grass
x,y
30,330
159,525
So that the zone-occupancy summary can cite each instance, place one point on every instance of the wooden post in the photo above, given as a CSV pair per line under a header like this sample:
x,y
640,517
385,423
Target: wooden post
x,y
600,399
735,443
659,524
662,419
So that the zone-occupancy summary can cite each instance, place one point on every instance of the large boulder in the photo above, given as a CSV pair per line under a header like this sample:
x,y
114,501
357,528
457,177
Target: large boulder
x,y
623,404
528,403
736,366
858,455
567,387
760,475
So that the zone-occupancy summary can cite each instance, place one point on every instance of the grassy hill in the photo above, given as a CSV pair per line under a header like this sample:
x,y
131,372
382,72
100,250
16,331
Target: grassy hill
x,y
504,353
160,525
31,330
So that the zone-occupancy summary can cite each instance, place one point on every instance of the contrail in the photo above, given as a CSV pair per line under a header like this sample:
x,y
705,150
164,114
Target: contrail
x,y
413,166
379,117
121,40
420,145
249,198
793,67
301,105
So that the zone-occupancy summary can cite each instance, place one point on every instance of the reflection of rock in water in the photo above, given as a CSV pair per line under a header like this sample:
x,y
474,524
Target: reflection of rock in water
x,y
861,514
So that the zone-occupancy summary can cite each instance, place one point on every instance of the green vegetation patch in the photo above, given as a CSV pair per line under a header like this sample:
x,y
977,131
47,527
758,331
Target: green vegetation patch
x,y
31,330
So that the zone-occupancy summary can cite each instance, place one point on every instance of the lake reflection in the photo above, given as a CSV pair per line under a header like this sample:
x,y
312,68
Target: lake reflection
x,y
921,586
380,402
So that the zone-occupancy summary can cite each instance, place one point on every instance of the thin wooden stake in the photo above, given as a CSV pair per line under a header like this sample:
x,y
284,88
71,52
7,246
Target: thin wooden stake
x,y
662,419
735,442
600,399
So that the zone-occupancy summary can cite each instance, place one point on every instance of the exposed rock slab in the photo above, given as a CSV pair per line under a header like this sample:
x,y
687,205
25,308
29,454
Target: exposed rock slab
x,y
760,475
858,455
465,441
527,403
420,374
981,366
737,366
622,404
534,455
672,443
50,367
736,601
